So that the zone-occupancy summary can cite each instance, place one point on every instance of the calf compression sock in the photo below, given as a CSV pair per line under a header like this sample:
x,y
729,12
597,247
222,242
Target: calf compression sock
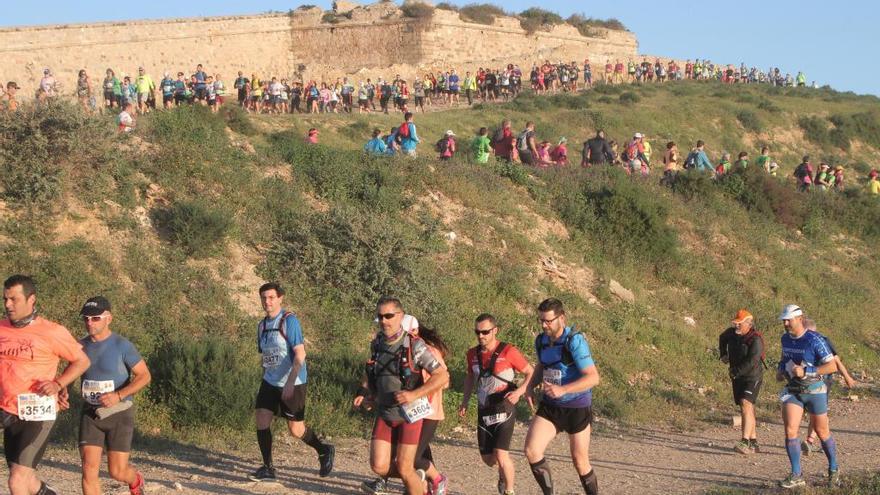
x,y
793,447
313,441
590,484
830,448
541,472
264,440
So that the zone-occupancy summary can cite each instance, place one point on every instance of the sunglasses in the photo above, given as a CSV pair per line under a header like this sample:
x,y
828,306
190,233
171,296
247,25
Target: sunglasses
x,y
547,322
386,316
94,319
484,332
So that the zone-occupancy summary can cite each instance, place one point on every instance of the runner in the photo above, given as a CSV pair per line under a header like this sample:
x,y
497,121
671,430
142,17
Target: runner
x,y
407,135
283,389
395,386
567,374
424,463
30,392
108,390
742,348
145,87
481,146
596,150
491,369
805,358
10,104
526,145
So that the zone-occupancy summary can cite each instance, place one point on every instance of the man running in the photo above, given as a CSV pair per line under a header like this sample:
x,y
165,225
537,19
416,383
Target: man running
x,y
491,368
805,358
394,384
742,348
108,389
283,389
567,374
30,391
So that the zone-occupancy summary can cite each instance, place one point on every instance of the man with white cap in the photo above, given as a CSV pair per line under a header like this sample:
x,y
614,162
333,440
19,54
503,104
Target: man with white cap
x,y
805,358
446,145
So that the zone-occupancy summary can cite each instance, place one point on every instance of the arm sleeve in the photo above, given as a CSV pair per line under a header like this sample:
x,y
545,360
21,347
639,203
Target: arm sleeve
x,y
423,357
580,351
294,331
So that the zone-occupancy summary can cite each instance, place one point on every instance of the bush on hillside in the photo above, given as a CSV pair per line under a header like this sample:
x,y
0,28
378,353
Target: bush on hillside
x,y
768,106
417,10
190,129
536,18
481,13
238,120
587,25
447,6
864,126
629,98
749,120
197,226
205,382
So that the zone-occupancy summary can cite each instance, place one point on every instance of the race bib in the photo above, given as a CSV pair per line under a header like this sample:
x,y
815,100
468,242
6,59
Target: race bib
x,y
417,409
553,376
494,419
34,407
272,357
92,390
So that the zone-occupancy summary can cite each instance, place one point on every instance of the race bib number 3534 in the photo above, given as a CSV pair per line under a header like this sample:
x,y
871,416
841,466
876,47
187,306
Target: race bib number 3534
x,y
34,407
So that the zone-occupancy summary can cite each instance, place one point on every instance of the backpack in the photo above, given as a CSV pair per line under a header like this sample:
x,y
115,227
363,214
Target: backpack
x,y
442,145
748,341
691,161
522,141
632,151
410,377
403,130
497,137
281,329
489,371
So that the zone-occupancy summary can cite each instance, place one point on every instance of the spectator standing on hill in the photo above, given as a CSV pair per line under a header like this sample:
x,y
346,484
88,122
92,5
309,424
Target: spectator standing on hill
x,y
481,146
741,346
526,145
742,161
763,160
166,86
597,151
376,146
804,174
446,146
470,87
504,142
240,85
84,90
48,87
588,75
112,90
9,103
700,159
873,183
200,86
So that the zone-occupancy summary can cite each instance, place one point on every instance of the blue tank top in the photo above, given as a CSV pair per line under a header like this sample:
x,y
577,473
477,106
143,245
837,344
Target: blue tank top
x,y
277,352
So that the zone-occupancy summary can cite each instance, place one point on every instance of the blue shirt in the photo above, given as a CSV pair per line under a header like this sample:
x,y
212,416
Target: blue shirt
x,y
555,371
702,163
453,82
376,146
277,352
810,351
112,360
408,144
201,77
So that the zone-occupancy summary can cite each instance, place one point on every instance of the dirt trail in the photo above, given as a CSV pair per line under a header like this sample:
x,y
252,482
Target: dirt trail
x,y
628,461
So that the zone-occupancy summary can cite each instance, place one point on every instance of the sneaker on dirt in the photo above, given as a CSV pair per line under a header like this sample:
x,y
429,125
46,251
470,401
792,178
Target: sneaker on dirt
x,y
743,447
792,481
833,478
376,487
326,459
265,473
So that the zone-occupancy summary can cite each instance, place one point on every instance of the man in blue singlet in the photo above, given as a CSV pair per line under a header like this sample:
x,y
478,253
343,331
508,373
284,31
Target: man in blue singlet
x,y
283,389
117,372
567,374
805,358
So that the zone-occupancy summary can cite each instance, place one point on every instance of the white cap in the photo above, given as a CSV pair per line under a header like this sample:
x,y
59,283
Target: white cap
x,y
791,311
450,133
638,135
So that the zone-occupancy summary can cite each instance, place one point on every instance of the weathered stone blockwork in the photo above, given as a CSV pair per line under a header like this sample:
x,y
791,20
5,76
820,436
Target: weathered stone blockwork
x,y
372,41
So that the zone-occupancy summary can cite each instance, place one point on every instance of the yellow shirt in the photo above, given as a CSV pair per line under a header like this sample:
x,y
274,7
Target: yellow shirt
x,y
874,187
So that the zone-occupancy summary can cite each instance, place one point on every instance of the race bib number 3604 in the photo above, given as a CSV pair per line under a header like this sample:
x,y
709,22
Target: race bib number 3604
x,y
417,409
34,407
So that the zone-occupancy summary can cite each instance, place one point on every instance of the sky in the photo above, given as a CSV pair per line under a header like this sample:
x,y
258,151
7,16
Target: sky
x,y
834,43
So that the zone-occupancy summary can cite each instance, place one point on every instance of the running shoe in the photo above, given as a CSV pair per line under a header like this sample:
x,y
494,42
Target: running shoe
x,y
378,486
502,486
743,447
440,485
138,488
265,473
753,445
833,478
792,481
326,459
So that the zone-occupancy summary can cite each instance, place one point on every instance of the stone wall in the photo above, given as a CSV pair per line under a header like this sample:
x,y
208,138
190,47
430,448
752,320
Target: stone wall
x,y
367,41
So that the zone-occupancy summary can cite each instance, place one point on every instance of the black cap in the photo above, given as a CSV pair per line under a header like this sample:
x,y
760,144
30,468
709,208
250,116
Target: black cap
x,y
95,306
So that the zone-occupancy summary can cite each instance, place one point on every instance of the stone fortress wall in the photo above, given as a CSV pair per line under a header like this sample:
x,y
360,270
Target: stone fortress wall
x,y
370,41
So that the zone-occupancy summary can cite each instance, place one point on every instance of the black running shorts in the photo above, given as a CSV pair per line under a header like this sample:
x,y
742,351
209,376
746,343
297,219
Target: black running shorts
x,y
568,419
113,433
269,397
24,442
746,389
497,435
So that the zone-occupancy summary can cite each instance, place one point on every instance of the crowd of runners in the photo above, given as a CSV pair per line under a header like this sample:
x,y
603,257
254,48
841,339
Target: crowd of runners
x,y
280,94
402,386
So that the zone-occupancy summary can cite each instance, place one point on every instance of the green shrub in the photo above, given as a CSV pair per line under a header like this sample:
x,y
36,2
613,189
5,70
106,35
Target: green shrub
x,y
749,120
513,171
587,25
692,184
536,18
417,10
238,120
447,6
481,13
197,226
815,130
768,106
205,382
629,98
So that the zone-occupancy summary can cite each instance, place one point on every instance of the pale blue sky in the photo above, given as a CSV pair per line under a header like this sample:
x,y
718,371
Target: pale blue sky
x,y
832,42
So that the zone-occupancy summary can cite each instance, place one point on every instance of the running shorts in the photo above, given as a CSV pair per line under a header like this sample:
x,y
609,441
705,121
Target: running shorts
x,y
496,435
568,419
167,98
109,96
24,442
269,398
113,433
201,93
746,389
143,97
397,432
816,404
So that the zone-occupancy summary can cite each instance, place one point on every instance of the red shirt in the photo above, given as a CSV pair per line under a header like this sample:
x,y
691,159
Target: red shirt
x,y
509,362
